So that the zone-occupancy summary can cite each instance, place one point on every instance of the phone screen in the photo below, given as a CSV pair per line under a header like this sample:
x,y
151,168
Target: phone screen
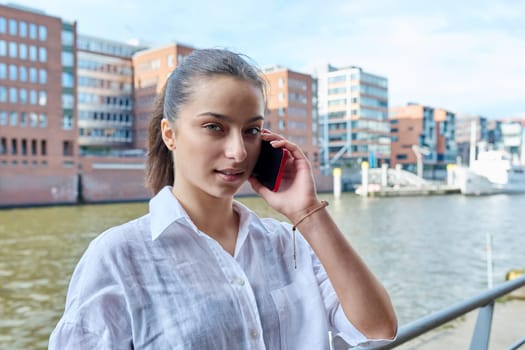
x,y
269,167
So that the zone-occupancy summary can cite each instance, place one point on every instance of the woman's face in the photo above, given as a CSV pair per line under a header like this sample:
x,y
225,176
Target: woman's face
x,y
216,137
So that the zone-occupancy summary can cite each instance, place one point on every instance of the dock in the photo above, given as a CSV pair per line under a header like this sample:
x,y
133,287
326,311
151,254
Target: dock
x,y
385,182
393,191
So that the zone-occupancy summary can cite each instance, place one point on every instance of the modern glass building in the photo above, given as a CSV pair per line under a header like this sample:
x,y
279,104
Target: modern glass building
x,y
353,117
105,95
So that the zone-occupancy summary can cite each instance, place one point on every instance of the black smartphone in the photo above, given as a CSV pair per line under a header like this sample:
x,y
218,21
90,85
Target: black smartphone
x,y
269,167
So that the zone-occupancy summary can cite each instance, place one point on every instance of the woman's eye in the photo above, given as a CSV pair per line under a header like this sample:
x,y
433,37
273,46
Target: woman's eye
x,y
254,131
213,127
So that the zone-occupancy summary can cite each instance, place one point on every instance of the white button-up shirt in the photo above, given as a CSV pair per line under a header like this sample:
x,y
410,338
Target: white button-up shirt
x,y
157,282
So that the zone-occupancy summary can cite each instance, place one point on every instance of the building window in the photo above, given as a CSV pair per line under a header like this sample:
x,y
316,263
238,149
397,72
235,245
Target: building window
x,y
33,147
42,33
13,27
42,98
24,147
23,96
338,102
67,38
155,64
67,122
32,97
33,120
3,25
43,147
337,78
42,54
3,146
67,101
32,30
3,48
33,76
67,148
23,119
14,146
43,76
171,61
13,49
67,59
67,79
3,71
3,118
32,52
401,156
13,95
13,70
43,120
23,51
23,29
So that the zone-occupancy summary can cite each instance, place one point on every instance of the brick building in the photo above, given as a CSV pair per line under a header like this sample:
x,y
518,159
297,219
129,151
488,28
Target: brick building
x,y
291,109
429,129
152,68
38,133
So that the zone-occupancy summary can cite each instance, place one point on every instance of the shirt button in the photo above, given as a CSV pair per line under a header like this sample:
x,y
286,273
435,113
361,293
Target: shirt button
x,y
254,334
240,281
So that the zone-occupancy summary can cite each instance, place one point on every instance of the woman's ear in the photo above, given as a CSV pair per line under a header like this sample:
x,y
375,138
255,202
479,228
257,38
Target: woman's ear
x,y
168,134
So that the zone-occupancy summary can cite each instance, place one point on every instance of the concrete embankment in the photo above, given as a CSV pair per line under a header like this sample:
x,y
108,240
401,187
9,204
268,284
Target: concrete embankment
x,y
508,326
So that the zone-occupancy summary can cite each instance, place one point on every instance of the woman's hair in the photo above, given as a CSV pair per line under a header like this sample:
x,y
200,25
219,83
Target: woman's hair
x,y
178,91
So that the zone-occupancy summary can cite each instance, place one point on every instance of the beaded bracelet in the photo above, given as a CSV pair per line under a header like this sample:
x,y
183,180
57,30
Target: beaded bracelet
x,y
309,212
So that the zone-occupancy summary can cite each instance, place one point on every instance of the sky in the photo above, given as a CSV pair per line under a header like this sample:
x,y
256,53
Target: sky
x,y
464,56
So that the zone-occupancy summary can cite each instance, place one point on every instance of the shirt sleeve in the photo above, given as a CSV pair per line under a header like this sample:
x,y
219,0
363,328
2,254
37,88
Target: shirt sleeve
x,y
338,323
96,315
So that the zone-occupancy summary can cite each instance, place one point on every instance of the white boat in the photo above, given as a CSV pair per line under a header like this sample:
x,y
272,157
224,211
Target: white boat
x,y
492,173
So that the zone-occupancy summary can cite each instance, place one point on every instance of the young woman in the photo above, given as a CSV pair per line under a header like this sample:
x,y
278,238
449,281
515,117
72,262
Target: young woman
x,y
202,271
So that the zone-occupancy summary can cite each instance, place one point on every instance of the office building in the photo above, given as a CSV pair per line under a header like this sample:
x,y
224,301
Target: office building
x,y
105,95
353,117
425,130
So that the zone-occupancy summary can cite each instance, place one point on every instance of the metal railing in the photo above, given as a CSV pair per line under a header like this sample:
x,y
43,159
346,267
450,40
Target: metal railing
x,y
480,338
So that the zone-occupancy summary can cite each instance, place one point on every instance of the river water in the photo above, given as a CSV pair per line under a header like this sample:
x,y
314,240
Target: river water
x,y
429,252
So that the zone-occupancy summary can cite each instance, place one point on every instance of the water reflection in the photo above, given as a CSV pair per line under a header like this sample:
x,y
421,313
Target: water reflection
x,y
428,251
38,251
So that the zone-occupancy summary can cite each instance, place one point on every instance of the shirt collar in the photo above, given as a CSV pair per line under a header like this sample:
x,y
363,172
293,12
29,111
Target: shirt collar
x,y
246,218
165,209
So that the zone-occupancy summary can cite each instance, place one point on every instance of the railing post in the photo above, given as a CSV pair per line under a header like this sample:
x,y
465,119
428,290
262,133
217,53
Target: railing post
x,y
481,335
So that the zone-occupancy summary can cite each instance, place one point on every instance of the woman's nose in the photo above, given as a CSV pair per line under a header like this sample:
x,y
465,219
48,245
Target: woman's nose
x,y
235,148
